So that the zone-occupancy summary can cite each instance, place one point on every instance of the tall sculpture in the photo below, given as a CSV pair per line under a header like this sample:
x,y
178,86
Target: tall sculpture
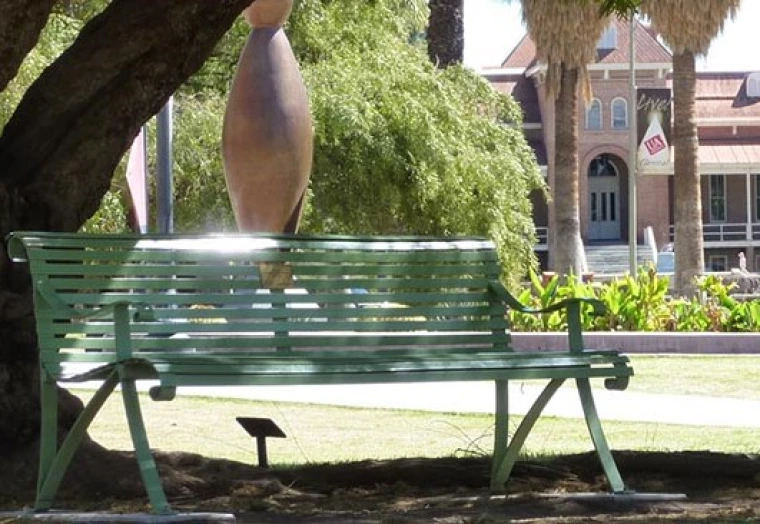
x,y
267,136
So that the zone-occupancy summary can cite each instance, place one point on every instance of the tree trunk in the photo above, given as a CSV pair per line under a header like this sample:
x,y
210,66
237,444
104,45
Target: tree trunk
x,y
59,150
566,233
689,250
21,22
445,34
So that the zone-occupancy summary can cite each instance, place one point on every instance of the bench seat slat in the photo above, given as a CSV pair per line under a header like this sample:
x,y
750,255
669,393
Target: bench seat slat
x,y
222,283
232,243
450,327
393,377
374,362
190,257
351,341
221,299
248,270
525,366
590,355
381,311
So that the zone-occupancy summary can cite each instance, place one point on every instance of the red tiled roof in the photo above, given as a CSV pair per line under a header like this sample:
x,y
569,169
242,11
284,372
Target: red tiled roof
x,y
717,153
648,49
523,55
524,92
724,95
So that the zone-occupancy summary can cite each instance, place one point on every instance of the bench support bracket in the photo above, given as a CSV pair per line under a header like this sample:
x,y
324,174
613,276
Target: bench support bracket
x,y
505,456
52,471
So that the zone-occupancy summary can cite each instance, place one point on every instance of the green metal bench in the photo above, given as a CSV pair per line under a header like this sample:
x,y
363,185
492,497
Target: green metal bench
x,y
266,309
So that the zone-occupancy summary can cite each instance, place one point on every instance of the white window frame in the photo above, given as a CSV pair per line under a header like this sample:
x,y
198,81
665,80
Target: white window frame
x,y
718,198
598,103
615,102
756,178
722,259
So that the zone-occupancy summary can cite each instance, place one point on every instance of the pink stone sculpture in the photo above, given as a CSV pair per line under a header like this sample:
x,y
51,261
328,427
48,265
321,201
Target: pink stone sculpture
x,y
267,137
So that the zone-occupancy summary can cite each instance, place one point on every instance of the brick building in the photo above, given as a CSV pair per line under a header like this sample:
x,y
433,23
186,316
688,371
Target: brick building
x,y
728,119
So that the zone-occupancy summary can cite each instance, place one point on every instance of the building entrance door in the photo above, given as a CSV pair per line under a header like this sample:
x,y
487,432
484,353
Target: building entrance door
x,y
604,199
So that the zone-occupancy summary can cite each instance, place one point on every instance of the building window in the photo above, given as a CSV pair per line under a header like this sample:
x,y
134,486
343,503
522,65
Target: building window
x,y
757,197
717,198
753,85
608,40
594,114
717,263
619,113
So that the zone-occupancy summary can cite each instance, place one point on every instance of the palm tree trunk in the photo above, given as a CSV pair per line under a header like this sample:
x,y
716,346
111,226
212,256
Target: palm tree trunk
x,y
689,249
445,35
566,233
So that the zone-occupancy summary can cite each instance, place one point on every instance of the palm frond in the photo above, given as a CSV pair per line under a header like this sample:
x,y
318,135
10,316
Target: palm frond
x,y
565,33
689,24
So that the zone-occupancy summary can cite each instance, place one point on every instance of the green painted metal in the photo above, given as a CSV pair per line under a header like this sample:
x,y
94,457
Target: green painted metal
x,y
597,436
502,467
196,310
49,484
48,426
148,469
501,433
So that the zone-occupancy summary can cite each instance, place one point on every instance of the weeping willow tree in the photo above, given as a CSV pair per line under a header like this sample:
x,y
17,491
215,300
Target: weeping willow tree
x,y
688,27
565,35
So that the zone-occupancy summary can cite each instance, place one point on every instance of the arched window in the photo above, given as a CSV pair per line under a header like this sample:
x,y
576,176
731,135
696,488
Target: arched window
x,y
594,114
619,113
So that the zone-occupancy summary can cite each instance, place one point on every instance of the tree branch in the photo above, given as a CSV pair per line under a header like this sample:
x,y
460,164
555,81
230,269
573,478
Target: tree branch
x,y
76,121
21,22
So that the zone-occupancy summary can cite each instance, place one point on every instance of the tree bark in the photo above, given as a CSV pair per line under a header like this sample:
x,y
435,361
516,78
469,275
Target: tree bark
x,y
689,252
445,34
59,150
21,22
73,125
566,234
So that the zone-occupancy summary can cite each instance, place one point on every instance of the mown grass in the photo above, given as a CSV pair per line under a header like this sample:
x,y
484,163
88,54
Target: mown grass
x,y
318,433
734,376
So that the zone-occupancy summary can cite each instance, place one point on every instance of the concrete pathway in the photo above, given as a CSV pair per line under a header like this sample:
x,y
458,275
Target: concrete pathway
x,y
478,397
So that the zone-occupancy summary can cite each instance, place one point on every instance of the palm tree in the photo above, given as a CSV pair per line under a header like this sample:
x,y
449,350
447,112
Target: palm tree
x,y
688,27
445,34
565,35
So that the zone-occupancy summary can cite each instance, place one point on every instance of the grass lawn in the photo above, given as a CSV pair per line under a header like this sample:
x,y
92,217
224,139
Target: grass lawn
x,y
329,434
735,376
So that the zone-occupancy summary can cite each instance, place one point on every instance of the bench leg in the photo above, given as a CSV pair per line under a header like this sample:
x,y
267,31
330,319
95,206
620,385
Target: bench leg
x,y
48,428
145,461
53,469
505,456
501,431
597,436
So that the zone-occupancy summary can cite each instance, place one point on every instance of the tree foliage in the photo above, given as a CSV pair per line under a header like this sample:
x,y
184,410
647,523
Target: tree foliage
x,y
58,34
400,147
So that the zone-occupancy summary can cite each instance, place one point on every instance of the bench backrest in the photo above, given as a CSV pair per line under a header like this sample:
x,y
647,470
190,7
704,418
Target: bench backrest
x,y
271,292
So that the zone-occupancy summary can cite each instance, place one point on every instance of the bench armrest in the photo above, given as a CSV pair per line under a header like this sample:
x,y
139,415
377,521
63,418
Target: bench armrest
x,y
572,305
